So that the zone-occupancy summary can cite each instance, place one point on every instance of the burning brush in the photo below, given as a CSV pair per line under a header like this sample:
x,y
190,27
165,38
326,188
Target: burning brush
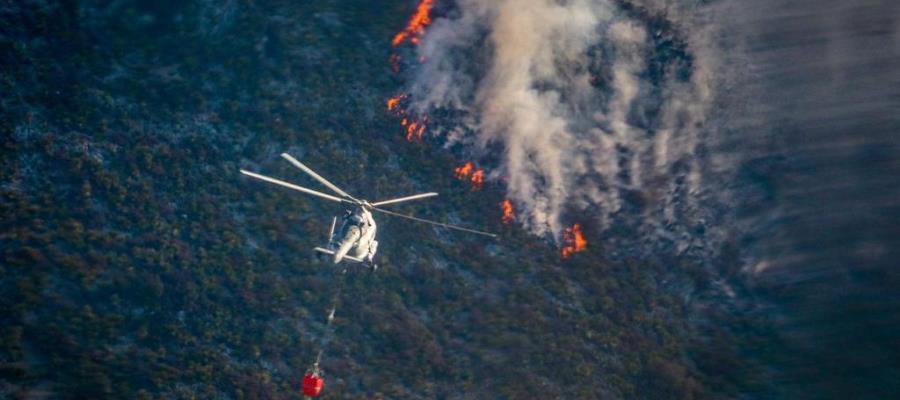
x,y
467,172
574,239
415,28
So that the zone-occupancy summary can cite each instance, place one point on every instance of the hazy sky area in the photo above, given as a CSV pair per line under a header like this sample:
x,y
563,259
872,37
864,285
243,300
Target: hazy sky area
x,y
820,134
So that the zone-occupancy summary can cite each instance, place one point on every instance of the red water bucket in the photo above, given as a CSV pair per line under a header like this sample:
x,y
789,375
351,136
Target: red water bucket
x,y
312,384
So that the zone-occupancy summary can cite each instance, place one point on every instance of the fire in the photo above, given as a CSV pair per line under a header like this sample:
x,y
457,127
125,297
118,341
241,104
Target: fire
x,y
416,26
467,172
393,102
415,130
574,241
477,179
464,171
508,214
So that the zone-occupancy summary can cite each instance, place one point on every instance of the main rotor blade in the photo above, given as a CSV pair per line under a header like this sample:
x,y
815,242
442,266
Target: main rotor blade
x,y
407,198
295,187
443,225
318,177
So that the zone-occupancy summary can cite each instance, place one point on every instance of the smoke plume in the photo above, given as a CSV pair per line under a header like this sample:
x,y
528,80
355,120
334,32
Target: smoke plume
x,y
783,115
584,100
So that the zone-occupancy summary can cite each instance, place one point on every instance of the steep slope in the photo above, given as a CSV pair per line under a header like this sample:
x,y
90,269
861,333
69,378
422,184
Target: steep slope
x,y
137,262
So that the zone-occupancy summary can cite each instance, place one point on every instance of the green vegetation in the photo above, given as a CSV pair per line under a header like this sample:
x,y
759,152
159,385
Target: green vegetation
x,y
137,263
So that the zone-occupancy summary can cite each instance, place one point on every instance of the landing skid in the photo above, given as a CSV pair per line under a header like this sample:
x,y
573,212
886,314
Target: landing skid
x,y
347,257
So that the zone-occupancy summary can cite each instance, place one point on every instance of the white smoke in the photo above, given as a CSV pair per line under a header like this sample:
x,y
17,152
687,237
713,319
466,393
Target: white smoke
x,y
524,73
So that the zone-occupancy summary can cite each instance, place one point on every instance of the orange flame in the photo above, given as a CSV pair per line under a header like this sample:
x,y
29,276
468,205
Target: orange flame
x,y
574,241
468,172
464,171
420,132
393,102
415,130
508,214
477,179
416,26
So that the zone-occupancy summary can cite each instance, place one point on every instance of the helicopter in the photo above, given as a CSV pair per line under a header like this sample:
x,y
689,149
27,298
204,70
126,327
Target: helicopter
x,y
355,240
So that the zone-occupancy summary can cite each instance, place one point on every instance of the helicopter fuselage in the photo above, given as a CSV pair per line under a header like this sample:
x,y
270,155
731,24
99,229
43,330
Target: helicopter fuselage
x,y
356,236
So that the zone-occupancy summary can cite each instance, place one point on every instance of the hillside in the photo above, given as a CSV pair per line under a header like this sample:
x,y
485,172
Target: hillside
x,y
138,263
